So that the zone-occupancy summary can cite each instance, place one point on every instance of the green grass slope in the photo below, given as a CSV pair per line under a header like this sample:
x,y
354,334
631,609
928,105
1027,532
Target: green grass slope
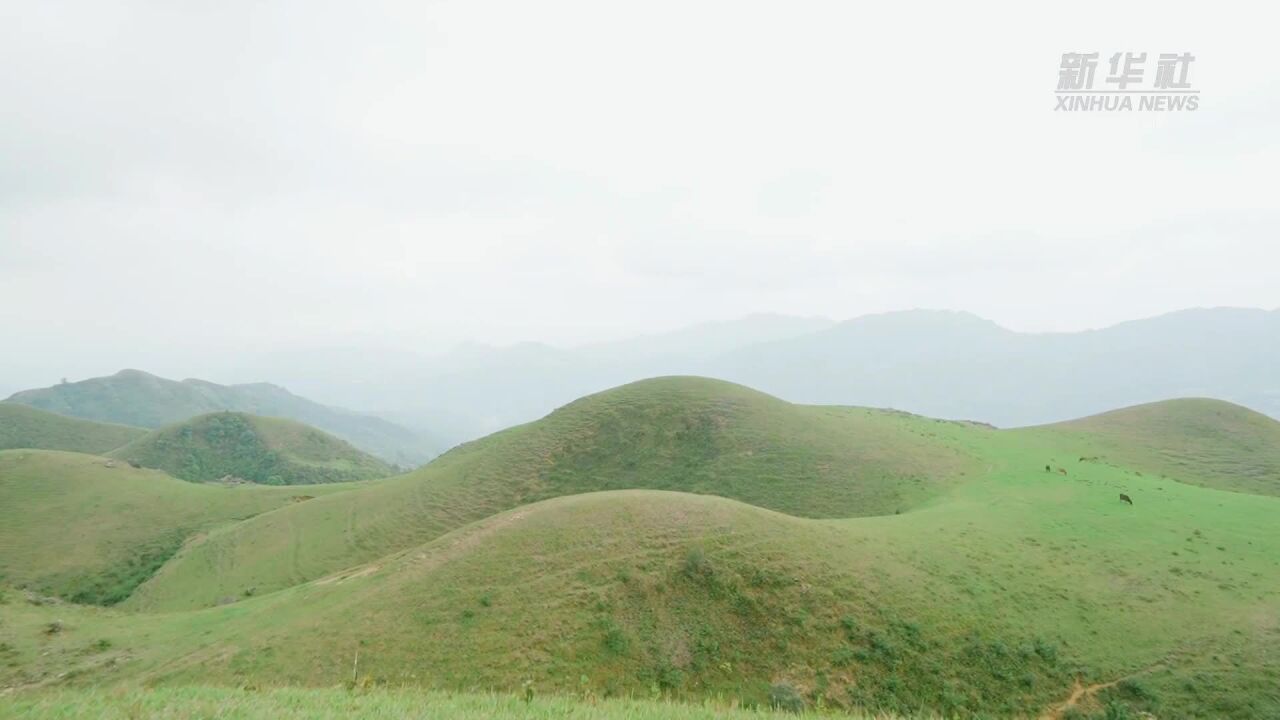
x,y
340,704
1007,591
28,427
1200,441
269,451
91,529
686,434
632,592
996,604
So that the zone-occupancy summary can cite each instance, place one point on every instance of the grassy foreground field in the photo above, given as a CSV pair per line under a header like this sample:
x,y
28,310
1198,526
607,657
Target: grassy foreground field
x,y
1001,576
192,703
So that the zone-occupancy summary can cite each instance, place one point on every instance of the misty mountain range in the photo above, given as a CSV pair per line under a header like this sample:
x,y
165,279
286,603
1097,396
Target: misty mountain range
x,y
937,363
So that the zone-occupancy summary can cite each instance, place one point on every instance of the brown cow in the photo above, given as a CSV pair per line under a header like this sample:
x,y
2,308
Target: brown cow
x,y
1063,471
1125,498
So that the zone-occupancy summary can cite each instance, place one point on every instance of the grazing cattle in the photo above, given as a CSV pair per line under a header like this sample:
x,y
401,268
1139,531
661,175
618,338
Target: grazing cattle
x,y
1062,471
1048,469
1125,498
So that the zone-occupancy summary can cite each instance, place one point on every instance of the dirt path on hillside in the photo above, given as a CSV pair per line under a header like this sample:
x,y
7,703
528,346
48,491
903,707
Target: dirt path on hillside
x,y
1081,693
54,679
436,556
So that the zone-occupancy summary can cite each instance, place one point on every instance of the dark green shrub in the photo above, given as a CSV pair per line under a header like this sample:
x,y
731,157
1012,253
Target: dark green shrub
x,y
1117,711
843,657
696,564
669,676
615,639
1135,690
782,696
1047,651
881,646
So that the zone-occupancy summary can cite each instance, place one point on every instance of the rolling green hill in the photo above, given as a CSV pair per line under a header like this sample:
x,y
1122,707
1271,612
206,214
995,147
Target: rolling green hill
x,y
269,451
685,434
639,592
91,529
27,427
1200,441
691,539
133,397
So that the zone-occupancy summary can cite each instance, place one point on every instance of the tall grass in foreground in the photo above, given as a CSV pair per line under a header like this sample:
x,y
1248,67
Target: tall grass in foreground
x,y
192,703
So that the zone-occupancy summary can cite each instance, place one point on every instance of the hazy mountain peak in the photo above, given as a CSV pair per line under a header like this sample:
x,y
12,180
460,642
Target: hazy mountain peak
x,y
919,318
135,397
132,373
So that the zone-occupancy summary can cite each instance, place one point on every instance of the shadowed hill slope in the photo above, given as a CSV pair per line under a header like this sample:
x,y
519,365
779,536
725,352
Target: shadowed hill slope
x,y
144,400
686,434
28,427
91,529
1200,441
269,451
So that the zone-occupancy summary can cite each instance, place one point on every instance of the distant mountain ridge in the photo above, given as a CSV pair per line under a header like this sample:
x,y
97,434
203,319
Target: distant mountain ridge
x,y
134,397
937,363
476,388
957,365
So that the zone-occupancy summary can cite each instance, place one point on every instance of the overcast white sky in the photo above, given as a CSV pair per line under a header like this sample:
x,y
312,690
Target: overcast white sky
x,y
181,179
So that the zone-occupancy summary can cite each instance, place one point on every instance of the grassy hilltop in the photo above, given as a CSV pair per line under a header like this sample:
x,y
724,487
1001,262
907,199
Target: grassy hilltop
x,y
1201,441
270,451
696,540
684,434
28,427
